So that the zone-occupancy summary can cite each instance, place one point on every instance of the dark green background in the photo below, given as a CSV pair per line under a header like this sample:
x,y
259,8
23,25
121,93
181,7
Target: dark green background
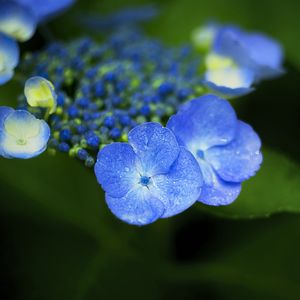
x,y
59,241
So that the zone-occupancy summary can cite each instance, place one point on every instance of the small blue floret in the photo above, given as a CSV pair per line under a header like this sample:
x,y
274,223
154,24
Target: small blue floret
x,y
63,147
115,133
73,112
82,154
109,121
65,135
145,110
93,141
83,102
165,88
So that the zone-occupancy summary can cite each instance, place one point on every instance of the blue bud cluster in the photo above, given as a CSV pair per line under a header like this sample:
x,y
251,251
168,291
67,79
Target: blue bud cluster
x,y
105,89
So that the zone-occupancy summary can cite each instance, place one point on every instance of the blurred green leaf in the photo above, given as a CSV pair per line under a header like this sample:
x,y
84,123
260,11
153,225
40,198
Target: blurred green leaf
x,y
275,188
258,260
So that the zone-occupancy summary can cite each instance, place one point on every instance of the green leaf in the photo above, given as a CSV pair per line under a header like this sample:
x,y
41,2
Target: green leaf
x,y
253,260
275,188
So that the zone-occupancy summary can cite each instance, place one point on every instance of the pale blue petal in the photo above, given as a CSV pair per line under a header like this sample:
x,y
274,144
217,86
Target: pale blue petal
x,y
4,113
137,207
230,82
116,169
227,92
6,75
231,77
17,21
181,187
204,122
156,147
240,159
9,50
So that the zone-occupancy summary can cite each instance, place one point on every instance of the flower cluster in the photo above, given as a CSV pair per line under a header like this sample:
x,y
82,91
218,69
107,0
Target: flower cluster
x,y
105,103
105,89
236,59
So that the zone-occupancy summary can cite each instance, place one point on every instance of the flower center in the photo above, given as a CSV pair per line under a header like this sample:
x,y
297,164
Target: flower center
x,y
145,180
200,154
21,141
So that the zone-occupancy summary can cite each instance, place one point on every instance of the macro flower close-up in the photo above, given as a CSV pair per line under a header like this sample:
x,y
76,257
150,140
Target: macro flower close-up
x,y
149,150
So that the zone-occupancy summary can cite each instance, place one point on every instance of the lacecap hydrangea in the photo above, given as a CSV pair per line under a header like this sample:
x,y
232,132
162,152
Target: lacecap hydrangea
x,y
109,103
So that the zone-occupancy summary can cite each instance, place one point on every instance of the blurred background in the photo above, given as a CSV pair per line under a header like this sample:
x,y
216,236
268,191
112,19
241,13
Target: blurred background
x,y
58,239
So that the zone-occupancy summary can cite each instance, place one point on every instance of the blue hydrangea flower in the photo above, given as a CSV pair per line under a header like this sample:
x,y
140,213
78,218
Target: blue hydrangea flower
x,y
17,21
227,149
21,134
150,177
9,57
255,51
44,9
39,92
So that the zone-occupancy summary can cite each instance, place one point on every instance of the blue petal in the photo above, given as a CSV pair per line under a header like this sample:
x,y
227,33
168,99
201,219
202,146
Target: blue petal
x,y
44,9
204,122
252,50
219,192
240,159
266,54
116,169
137,207
17,21
9,52
226,92
156,147
181,187
216,191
